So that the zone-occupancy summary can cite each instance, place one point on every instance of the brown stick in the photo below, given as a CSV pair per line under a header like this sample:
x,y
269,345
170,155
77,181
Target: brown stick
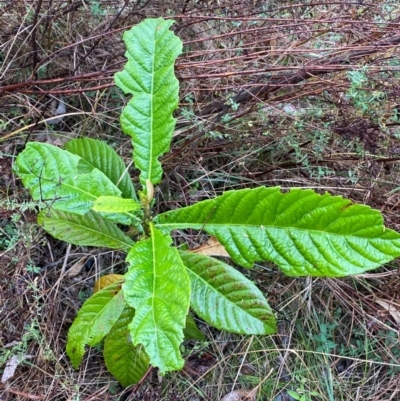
x,y
26,395
274,82
33,37
277,81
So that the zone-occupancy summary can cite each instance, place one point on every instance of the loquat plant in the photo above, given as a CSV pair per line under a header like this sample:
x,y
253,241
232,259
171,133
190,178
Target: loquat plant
x,y
143,315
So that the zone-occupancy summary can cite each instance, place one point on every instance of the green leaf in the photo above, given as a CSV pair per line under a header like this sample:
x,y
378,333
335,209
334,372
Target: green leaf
x,y
149,76
191,331
226,299
95,319
62,178
98,154
114,204
302,232
294,395
126,362
157,287
88,230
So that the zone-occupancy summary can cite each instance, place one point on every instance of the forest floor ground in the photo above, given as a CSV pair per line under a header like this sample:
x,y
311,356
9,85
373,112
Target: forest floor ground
x,y
271,93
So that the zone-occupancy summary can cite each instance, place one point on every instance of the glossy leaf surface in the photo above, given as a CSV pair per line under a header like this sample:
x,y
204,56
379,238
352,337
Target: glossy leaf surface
x,y
61,179
95,319
226,299
88,230
114,204
103,157
157,287
303,232
149,76
126,362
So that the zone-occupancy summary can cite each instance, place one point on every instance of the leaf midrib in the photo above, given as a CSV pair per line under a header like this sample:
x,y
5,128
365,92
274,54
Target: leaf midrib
x,y
207,227
213,289
125,245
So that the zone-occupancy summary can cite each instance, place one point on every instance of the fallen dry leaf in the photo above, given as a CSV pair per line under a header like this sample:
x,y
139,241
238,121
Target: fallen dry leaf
x,y
77,267
241,395
392,308
11,365
211,248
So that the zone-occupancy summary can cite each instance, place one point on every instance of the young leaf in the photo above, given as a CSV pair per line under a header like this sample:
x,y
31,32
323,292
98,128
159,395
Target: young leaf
x,y
126,362
157,287
103,157
149,76
114,204
302,232
191,331
106,280
62,178
95,319
88,230
225,298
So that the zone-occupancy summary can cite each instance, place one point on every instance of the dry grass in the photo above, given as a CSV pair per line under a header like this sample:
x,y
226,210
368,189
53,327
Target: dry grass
x,y
266,99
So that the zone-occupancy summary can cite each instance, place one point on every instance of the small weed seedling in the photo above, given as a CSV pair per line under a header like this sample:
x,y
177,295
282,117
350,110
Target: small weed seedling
x,y
144,315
